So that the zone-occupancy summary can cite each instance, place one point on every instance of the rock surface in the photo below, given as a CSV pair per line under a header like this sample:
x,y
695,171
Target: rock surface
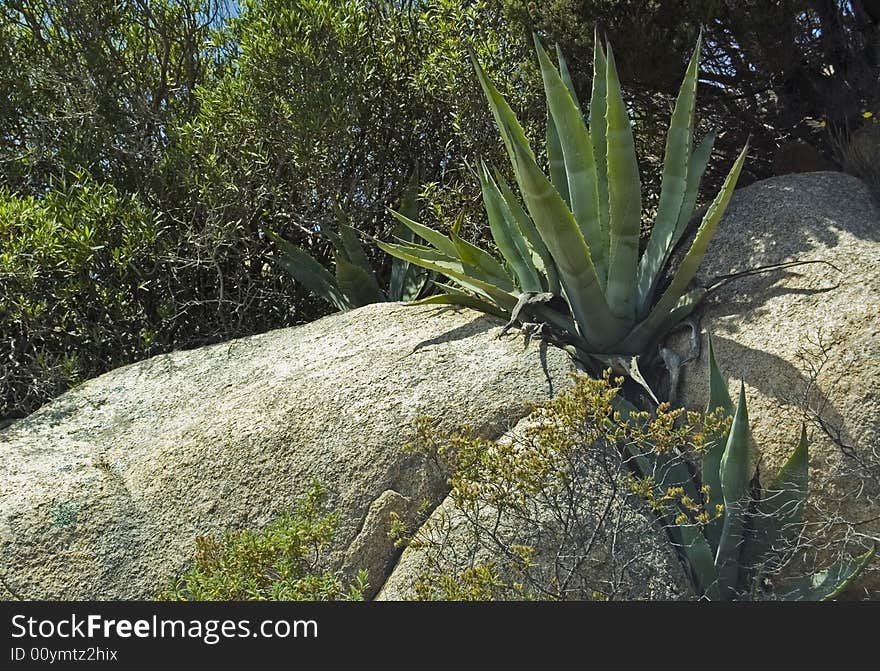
x,y
806,341
105,489
599,541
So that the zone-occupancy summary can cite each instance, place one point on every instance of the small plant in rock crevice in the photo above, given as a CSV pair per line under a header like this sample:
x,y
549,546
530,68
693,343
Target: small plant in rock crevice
x,y
286,561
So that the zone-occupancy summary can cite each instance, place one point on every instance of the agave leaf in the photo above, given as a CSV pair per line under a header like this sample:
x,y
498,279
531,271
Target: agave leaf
x,y
415,282
456,225
691,262
673,185
352,249
656,326
565,74
464,300
577,151
328,232
625,202
454,268
541,257
780,513
554,148
354,253
473,256
559,231
507,236
519,150
431,236
433,256
719,397
667,470
358,285
466,289
562,235
826,584
734,489
308,272
692,544
711,467
512,132
644,464
696,168
406,281
598,131
672,471
555,160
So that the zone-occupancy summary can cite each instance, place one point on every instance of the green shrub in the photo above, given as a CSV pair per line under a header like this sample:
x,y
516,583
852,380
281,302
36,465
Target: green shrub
x,y
331,103
531,515
78,288
283,562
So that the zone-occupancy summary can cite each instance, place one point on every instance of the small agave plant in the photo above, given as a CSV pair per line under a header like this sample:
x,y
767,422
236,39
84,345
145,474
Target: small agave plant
x,y
354,282
576,232
734,555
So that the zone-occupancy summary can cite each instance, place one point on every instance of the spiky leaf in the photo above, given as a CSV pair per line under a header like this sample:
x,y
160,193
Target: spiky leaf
x,y
673,184
472,255
308,272
428,234
711,467
559,230
624,199
462,299
357,284
598,131
577,152
779,514
734,473
512,134
691,262
541,257
556,160
596,322
507,236
696,169
468,276
699,558
407,282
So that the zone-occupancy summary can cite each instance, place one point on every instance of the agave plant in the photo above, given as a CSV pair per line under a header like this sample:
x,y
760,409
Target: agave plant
x,y
576,231
731,556
354,283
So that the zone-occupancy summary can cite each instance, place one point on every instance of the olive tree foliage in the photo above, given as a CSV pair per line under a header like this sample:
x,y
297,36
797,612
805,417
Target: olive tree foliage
x,y
328,108
98,85
91,94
